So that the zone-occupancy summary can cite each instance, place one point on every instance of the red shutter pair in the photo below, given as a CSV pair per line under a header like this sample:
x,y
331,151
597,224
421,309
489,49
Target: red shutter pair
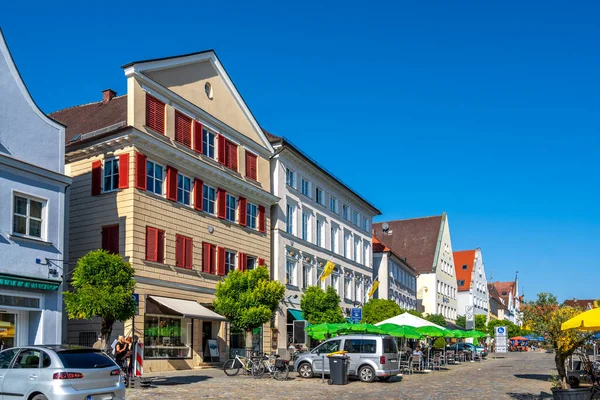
x,y
155,244
221,199
155,114
184,251
220,260
242,261
197,137
251,171
183,129
261,219
242,205
110,239
123,174
208,258
171,183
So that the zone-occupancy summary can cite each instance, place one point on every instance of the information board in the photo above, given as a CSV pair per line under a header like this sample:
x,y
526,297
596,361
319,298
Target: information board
x,y
356,315
501,339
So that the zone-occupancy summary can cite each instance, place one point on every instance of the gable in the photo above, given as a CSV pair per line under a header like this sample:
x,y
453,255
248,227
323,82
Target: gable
x,y
189,80
462,258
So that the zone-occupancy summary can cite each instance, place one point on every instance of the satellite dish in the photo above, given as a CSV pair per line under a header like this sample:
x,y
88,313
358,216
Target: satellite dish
x,y
385,227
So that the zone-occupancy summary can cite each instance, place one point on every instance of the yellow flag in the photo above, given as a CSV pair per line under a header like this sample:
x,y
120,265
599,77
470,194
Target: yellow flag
x,y
327,270
374,288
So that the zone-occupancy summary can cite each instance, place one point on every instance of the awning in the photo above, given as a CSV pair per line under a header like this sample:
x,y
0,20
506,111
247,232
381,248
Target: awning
x,y
28,283
296,314
188,308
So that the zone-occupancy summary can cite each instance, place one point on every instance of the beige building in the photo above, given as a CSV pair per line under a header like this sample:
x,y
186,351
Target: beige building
x,y
175,177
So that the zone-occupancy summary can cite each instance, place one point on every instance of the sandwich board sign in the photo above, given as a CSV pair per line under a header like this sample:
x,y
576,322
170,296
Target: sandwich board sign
x,y
501,339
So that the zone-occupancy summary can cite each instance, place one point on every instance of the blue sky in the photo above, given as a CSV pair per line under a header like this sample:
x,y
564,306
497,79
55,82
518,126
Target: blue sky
x,y
489,112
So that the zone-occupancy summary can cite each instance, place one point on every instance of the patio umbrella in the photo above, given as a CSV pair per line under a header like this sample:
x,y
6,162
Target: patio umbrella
x,y
403,331
324,328
459,334
359,328
432,331
474,334
586,321
519,338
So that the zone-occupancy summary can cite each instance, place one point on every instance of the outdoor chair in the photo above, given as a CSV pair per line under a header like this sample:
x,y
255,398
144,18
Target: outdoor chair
x,y
476,356
415,361
437,362
461,356
404,363
450,357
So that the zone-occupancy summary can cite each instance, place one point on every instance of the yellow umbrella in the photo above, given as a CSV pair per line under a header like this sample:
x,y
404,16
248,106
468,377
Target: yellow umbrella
x,y
586,321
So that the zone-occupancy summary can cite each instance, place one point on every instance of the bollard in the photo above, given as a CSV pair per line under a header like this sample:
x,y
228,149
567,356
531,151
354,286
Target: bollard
x,y
323,370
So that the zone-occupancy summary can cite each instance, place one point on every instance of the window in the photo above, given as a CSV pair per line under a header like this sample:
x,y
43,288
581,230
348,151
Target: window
x,y
290,218
305,187
110,239
208,258
250,263
251,214
111,174
28,216
155,244
155,177
319,274
251,171
208,90
365,254
184,251
334,239
335,281
208,143
333,204
365,224
306,275
230,207
155,114
320,232
464,267
305,228
231,160
355,218
290,272
6,357
320,196
357,250
360,346
28,359
328,347
357,289
348,288
290,177
184,189
347,245
167,336
208,199
229,261
345,212
183,129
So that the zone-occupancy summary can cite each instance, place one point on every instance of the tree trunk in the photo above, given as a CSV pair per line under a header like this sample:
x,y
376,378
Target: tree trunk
x,y
106,330
560,360
249,347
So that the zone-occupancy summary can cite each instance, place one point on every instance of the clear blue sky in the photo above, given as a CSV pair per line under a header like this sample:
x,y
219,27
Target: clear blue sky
x,y
490,112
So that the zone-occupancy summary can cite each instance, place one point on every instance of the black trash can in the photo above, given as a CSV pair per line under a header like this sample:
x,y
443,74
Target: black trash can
x,y
338,369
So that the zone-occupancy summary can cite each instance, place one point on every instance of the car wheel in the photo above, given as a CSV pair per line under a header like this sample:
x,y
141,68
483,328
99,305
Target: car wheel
x,y
366,374
39,397
305,370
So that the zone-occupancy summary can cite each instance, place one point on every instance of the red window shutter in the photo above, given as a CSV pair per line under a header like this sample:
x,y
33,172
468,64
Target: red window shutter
x,y
241,261
221,150
171,183
261,262
183,129
96,177
160,251
251,171
197,136
198,188
221,261
261,218
221,196
110,239
242,204
105,238
151,244
189,253
179,250
123,171
155,114
207,258
140,171
230,155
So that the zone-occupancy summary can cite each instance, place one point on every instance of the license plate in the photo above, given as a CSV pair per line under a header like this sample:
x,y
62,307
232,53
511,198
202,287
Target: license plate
x,y
100,397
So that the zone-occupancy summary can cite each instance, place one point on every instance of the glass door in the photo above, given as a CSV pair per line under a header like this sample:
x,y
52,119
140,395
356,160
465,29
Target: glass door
x,y
7,330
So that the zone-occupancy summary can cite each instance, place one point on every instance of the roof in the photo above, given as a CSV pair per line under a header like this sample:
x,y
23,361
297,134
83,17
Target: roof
x,y
462,258
274,139
379,247
167,58
91,117
584,304
504,287
413,239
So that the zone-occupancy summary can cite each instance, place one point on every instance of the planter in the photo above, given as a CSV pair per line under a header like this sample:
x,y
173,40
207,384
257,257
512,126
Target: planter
x,y
572,394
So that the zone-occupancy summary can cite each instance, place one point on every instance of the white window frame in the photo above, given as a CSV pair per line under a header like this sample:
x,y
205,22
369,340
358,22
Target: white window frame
x,y
43,213
322,192
155,179
305,183
291,276
320,232
290,173
335,239
306,278
251,258
348,290
305,234
347,245
333,204
365,254
355,217
290,218
206,133
229,255
335,281
346,212
206,189
251,216
114,177
183,189
357,249
365,224
229,211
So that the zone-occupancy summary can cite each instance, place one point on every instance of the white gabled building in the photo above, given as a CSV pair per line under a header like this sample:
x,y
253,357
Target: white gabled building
x,y
473,295
318,218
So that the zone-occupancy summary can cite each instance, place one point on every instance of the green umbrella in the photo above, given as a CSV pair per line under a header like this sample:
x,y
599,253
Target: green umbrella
x,y
432,331
359,328
404,331
324,328
459,334
474,334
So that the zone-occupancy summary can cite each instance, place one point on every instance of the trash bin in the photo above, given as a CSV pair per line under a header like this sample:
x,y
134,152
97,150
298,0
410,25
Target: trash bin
x,y
338,369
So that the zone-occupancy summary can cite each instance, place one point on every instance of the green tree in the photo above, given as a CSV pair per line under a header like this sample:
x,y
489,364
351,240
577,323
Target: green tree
x,y
439,343
319,306
415,313
377,310
513,329
102,286
248,299
480,323
461,321
437,319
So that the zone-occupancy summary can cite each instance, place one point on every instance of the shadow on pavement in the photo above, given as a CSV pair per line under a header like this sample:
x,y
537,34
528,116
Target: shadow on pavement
x,y
530,396
537,377
179,380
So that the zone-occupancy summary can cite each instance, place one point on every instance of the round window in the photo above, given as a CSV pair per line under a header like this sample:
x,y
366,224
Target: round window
x,y
208,90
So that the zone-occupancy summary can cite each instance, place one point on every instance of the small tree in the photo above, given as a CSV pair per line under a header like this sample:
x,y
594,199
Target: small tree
x,y
103,287
545,317
377,310
248,299
319,306
480,322
439,343
461,321
437,319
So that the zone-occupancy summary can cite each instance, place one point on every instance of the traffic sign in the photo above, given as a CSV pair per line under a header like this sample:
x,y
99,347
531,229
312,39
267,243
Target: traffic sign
x,y
356,315
501,339
136,298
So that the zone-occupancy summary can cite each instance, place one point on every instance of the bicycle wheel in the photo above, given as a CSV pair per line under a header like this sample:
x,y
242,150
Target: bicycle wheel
x,y
231,367
258,370
281,374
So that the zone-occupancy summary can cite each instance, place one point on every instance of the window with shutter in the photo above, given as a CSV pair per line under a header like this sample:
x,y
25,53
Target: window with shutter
x,y
110,239
197,137
123,171
208,258
155,114
241,261
220,261
96,177
198,194
231,155
221,198
242,204
251,172
171,183
140,171
183,129
155,244
261,218
188,253
184,249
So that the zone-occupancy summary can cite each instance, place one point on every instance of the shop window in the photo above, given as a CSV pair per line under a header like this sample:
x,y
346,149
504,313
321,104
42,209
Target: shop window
x,y
167,337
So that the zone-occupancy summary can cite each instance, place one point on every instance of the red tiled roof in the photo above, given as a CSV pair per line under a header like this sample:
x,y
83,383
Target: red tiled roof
x,y
91,117
415,239
505,287
461,258
580,303
379,247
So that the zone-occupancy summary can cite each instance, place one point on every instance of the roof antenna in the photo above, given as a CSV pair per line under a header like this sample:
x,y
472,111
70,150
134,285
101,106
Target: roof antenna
x,y
385,227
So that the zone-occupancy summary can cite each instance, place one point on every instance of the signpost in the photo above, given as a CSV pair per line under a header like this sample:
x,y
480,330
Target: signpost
x,y
356,315
469,318
501,339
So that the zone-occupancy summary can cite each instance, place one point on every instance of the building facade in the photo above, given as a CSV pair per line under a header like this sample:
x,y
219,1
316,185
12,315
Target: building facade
x,y
397,279
174,176
317,219
427,246
509,293
497,306
32,215
473,295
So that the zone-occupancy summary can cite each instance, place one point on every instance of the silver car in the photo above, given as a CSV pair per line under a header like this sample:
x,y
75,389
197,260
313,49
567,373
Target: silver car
x,y
370,356
59,373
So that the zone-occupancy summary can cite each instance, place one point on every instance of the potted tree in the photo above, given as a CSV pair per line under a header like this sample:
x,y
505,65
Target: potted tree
x,y
544,316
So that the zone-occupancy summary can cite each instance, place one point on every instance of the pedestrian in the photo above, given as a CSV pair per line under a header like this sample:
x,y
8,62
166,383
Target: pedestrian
x,y
120,352
129,355
99,344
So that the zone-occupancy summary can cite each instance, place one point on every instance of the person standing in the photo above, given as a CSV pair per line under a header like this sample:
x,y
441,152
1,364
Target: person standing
x,y
120,352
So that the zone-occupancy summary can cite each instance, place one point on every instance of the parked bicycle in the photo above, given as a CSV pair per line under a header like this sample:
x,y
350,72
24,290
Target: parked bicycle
x,y
273,365
233,365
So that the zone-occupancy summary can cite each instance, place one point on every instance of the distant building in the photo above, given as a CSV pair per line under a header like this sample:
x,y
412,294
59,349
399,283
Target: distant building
x,y
497,309
397,279
32,215
427,246
472,283
509,293
584,304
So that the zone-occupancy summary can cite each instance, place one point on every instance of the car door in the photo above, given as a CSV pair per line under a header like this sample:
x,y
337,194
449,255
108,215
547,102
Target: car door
x,y
6,358
23,376
353,348
320,361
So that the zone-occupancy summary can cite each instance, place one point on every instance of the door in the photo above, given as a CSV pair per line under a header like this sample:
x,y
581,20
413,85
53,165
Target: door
x,y
6,358
319,355
22,378
206,334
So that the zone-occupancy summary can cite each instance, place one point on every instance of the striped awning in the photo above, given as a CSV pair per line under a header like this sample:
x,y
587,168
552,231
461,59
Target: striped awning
x,y
28,283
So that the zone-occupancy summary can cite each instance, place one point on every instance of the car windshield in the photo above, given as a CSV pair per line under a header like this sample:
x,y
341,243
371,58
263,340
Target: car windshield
x,y
328,347
85,359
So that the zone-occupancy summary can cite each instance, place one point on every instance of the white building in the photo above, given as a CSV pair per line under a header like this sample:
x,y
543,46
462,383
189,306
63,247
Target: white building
x,y
426,245
318,219
509,293
32,214
473,295
397,279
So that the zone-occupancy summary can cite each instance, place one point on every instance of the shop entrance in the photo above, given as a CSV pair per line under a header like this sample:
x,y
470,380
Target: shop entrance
x,y
7,330
206,335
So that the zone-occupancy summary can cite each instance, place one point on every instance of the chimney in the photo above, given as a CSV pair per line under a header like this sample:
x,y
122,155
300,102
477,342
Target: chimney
x,y
108,95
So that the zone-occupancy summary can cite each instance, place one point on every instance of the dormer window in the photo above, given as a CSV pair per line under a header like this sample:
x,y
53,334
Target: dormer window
x,y
464,267
504,293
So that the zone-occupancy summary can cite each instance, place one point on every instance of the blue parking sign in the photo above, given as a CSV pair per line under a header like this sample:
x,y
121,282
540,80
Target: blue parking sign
x,y
356,314
136,298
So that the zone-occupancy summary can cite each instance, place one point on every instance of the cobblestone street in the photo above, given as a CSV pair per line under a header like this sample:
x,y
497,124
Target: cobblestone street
x,y
515,376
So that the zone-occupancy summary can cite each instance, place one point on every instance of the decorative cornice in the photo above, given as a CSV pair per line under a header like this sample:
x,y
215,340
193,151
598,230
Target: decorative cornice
x,y
31,169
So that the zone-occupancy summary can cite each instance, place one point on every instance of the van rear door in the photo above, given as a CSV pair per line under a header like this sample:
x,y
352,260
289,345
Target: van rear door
x,y
390,351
